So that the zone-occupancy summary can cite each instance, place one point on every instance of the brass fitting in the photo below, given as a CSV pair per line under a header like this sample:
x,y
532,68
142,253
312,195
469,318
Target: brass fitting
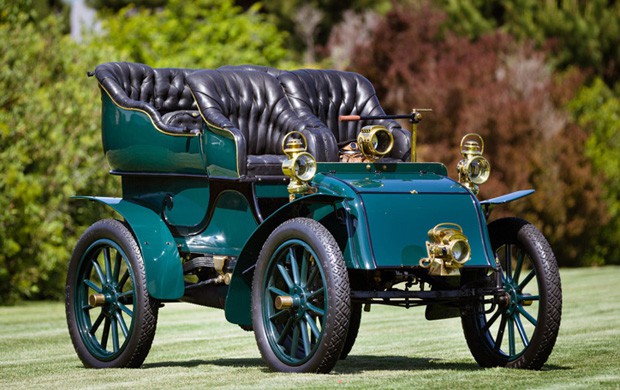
x,y
448,249
375,142
300,165
473,169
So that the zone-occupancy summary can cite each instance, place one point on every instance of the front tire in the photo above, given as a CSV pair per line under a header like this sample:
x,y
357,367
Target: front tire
x,y
300,298
522,333
110,315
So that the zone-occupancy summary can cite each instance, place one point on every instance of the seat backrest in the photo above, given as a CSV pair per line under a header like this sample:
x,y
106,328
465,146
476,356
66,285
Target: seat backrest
x,y
327,94
155,91
250,101
258,68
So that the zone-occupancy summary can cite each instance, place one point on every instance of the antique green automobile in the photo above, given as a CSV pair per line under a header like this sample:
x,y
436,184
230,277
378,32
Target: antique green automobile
x,y
290,200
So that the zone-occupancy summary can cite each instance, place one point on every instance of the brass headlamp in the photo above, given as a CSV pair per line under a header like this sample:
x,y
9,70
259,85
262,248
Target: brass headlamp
x,y
375,142
448,249
473,169
300,165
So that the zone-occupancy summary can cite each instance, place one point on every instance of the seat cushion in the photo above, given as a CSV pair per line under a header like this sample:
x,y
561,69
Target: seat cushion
x,y
265,165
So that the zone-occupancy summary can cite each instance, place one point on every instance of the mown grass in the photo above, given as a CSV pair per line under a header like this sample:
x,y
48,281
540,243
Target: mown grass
x,y
396,348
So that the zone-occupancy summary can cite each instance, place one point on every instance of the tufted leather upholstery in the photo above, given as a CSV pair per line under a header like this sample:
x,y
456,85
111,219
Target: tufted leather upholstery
x,y
252,106
320,96
155,91
259,68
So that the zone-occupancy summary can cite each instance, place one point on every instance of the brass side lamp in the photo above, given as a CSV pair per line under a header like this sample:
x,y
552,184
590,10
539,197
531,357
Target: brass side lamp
x,y
473,169
300,165
375,142
448,249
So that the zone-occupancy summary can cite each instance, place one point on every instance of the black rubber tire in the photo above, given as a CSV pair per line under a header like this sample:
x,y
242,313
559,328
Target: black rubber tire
x,y
328,289
354,327
508,235
123,279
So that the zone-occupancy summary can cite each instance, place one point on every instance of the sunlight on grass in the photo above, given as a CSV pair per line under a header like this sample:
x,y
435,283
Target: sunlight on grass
x,y
396,348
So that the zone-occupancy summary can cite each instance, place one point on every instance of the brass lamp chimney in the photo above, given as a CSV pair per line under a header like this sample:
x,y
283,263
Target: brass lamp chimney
x,y
300,165
473,169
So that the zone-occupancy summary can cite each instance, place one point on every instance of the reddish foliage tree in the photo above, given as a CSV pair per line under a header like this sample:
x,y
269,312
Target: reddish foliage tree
x,y
506,92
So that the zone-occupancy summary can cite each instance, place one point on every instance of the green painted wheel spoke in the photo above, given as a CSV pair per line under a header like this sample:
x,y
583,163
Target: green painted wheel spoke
x,y
125,309
277,291
305,339
313,328
277,314
528,298
500,333
511,336
491,321
304,269
93,286
527,279
313,273
286,330
99,272
126,294
295,341
121,283
527,315
105,334
114,326
520,257
294,266
315,293
285,276
107,264
521,331
315,309
122,324
508,258
118,259
96,324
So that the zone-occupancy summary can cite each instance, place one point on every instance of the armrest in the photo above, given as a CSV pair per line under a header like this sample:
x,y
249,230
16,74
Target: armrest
x,y
321,143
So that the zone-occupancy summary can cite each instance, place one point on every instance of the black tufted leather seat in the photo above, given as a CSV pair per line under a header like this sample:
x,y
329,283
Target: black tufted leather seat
x,y
160,93
259,68
320,96
252,106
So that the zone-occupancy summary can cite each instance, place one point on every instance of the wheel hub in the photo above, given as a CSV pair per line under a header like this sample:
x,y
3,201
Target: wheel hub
x,y
512,295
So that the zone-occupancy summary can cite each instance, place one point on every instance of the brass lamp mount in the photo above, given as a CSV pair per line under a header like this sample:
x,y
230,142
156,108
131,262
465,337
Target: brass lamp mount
x,y
300,165
473,169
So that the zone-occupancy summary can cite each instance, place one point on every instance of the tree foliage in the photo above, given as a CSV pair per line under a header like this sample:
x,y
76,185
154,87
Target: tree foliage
x,y
583,33
506,91
50,150
597,109
199,34
50,136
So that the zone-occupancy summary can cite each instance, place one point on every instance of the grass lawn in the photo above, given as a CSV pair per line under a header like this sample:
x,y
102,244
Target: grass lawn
x,y
396,348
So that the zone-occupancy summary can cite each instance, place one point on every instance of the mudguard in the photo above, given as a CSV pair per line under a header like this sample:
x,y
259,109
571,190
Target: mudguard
x,y
162,264
238,300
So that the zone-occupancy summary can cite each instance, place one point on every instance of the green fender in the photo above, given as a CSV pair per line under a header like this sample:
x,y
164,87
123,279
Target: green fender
x,y
238,301
162,264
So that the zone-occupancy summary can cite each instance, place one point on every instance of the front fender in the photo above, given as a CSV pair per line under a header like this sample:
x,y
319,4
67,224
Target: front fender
x,y
238,300
162,264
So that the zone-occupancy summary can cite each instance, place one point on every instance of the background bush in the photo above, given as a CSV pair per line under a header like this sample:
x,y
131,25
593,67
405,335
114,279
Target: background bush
x,y
539,80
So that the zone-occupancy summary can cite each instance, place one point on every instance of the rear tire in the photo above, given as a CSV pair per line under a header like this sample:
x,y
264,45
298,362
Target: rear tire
x,y
521,334
118,330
